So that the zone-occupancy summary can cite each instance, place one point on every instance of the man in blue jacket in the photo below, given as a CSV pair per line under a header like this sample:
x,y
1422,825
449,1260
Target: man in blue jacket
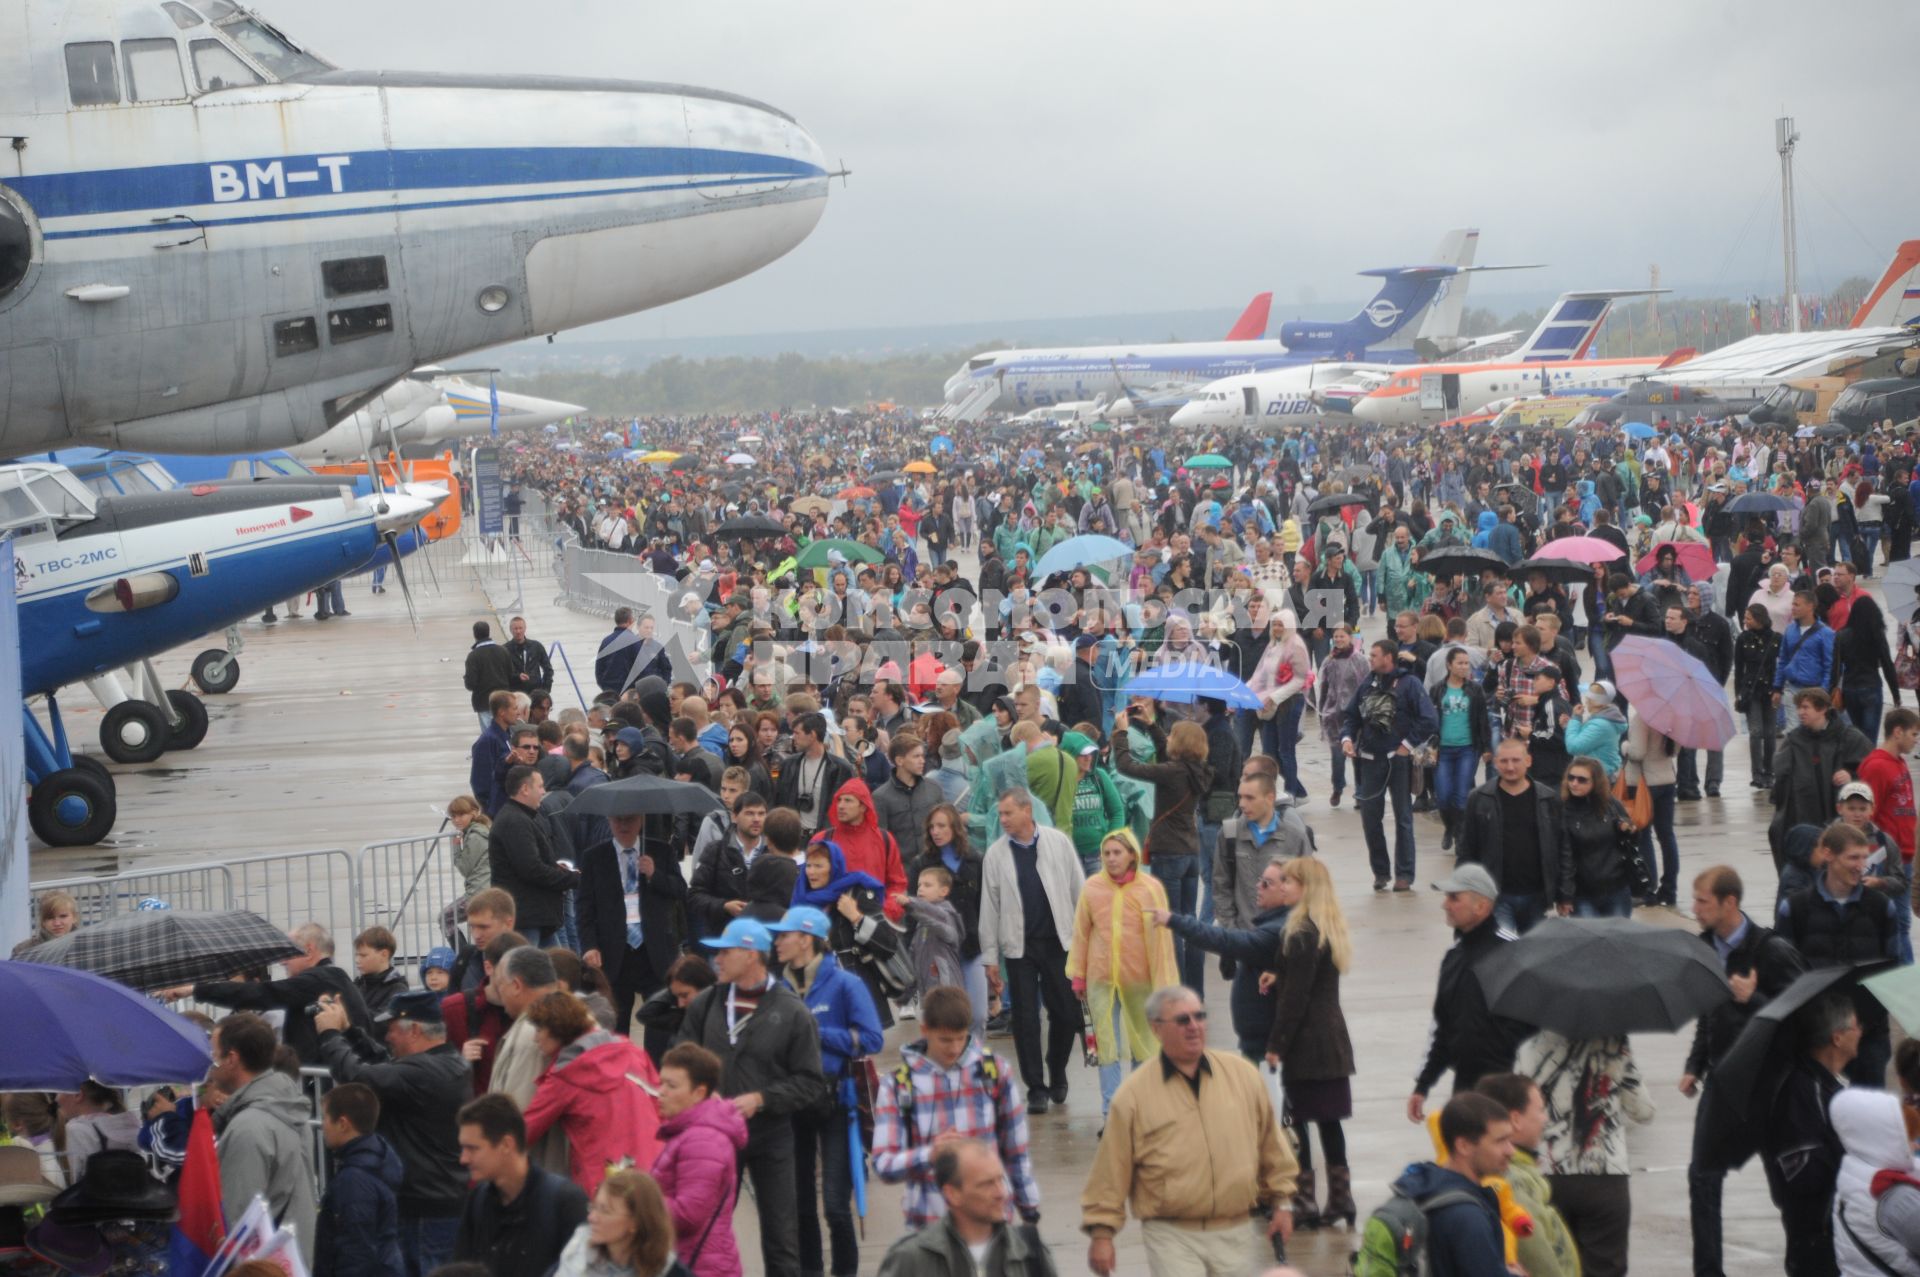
x,y
849,1027
1388,718
489,749
1806,651
613,663
1463,1218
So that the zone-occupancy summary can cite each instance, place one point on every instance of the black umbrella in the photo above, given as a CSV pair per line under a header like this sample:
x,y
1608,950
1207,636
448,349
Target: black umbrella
x,y
1521,488
1461,560
1764,503
1604,978
1741,1091
1833,431
645,796
1352,473
1562,571
750,527
160,948
1337,501
882,476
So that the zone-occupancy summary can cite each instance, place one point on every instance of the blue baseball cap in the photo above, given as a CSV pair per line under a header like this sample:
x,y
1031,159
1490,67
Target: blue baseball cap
x,y
743,933
438,958
806,919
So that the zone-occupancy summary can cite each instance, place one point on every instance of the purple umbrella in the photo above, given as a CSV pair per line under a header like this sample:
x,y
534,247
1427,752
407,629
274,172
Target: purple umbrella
x,y
1676,695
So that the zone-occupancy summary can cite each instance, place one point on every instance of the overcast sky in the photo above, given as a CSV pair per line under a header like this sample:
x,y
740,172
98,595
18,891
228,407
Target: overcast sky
x,y
1068,157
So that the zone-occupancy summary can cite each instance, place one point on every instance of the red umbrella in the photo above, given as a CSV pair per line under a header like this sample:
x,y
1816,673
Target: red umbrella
x,y
1697,559
855,493
1581,549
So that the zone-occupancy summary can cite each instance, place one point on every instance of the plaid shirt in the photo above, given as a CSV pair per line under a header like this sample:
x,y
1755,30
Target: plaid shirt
x,y
952,1099
1517,681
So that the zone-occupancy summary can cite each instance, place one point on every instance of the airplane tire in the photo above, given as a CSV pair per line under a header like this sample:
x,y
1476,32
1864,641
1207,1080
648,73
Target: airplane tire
x,y
93,767
193,719
72,808
211,676
134,732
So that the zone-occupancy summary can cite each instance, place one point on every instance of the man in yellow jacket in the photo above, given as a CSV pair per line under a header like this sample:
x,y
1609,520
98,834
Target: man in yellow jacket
x,y
1192,1146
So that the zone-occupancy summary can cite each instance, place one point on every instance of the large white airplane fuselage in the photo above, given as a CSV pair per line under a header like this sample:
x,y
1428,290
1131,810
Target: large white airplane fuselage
x,y
230,269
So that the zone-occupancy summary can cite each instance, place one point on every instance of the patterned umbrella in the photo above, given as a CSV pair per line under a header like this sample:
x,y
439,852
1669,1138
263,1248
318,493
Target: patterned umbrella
x,y
157,949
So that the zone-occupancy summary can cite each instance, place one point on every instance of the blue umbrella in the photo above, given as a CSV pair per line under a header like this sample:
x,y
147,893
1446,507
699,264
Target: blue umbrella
x,y
1758,503
1639,430
86,1026
856,1150
1185,684
941,443
1076,552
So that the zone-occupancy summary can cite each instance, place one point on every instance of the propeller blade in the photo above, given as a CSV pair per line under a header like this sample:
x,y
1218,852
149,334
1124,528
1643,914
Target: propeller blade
x,y
400,574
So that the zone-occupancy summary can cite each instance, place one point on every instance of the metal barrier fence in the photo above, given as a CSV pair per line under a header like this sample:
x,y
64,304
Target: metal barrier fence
x,y
407,886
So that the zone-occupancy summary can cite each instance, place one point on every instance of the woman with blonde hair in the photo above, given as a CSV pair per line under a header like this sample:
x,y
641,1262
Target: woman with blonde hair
x,y
1280,680
56,914
1309,1042
628,1232
471,833
1119,956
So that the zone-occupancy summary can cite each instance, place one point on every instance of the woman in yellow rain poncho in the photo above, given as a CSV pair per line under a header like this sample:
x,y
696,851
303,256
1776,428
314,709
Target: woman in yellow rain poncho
x,y
1119,956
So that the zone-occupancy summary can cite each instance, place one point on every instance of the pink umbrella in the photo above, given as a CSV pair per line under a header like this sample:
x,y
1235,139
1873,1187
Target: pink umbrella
x,y
1581,550
1675,694
1697,559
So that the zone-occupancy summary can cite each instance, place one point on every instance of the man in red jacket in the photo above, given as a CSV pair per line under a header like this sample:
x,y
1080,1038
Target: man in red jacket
x,y
1885,769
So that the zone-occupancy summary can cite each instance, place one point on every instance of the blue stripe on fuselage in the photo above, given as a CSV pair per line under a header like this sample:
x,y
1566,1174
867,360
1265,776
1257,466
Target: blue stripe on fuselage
x,y
166,187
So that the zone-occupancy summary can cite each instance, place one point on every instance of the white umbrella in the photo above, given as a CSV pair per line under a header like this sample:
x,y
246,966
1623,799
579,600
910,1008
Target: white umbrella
x,y
740,459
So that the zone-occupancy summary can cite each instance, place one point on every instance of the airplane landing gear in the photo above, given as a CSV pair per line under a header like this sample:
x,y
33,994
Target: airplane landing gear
x,y
134,732
191,728
216,672
72,803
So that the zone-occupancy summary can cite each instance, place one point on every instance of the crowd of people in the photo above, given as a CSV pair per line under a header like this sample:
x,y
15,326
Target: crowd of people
x,y
1039,798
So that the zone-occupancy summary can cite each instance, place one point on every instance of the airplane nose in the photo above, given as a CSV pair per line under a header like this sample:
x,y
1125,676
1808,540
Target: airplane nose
x,y
750,185
404,509
1186,415
1370,410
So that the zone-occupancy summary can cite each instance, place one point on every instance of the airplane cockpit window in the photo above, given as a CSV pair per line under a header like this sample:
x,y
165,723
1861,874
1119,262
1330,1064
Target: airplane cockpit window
x,y
218,9
91,77
183,16
153,70
266,46
16,247
215,66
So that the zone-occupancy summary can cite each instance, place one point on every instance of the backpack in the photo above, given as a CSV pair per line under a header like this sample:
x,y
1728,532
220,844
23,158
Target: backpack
x,y
989,1073
1377,708
1394,1241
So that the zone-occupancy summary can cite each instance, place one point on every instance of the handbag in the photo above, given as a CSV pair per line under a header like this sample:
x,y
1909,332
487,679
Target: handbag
x,y
1906,669
1637,799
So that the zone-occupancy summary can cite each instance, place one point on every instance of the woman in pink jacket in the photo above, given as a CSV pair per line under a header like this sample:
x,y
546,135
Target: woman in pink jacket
x,y
1280,680
697,1166
599,1088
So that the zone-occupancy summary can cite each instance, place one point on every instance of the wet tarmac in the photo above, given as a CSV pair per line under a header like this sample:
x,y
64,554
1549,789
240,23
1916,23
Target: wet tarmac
x,y
355,730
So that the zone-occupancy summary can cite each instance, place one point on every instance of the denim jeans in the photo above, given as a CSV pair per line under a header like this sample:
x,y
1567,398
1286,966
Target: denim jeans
x,y
1617,903
328,599
1375,780
1453,777
1664,797
820,1139
1181,877
1286,734
1863,707
1870,538
1689,769
1339,769
425,1244
1519,911
973,977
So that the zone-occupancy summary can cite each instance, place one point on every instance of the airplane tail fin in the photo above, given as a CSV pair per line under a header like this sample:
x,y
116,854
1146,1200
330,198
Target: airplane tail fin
x,y
1568,328
1252,324
1442,317
1676,357
1895,300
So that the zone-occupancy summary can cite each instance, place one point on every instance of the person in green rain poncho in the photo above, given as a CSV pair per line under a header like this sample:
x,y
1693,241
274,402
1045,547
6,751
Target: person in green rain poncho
x,y
1097,806
998,773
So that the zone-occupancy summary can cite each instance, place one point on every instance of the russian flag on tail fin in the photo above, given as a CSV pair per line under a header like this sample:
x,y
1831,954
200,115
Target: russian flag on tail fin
x,y
202,1224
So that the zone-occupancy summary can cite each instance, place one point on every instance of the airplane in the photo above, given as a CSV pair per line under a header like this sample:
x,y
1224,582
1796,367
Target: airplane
x,y
1020,380
214,240
1883,329
430,406
1551,361
1304,394
106,583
